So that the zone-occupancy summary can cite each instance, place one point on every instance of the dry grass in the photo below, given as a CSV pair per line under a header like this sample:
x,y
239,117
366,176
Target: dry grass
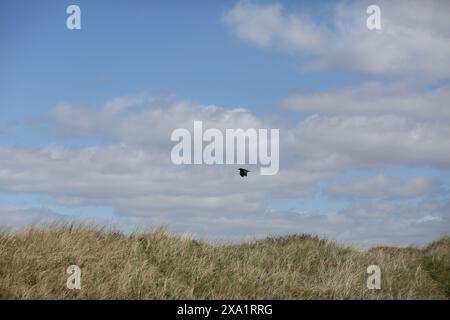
x,y
156,265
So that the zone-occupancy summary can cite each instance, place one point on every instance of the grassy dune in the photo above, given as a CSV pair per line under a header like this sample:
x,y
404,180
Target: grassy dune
x,y
157,265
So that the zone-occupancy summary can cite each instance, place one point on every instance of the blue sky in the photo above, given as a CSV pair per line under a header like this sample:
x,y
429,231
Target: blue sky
x,y
263,56
168,48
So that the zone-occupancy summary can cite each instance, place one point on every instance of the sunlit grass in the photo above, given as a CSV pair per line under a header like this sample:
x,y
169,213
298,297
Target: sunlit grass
x,y
157,265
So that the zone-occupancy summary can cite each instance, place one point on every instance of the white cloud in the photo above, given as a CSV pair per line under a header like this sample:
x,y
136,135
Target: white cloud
x,y
414,39
132,174
428,218
266,25
382,185
142,120
375,99
355,142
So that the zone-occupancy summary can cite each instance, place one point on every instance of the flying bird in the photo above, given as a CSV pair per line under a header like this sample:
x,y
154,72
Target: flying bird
x,y
243,172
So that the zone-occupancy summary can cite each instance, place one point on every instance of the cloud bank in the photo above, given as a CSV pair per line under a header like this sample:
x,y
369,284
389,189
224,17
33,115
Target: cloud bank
x,y
338,149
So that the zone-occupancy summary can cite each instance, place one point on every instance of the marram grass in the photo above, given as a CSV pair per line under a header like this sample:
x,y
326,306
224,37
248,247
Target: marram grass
x,y
157,265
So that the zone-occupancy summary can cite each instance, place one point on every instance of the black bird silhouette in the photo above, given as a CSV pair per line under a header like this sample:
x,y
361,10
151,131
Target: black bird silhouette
x,y
243,172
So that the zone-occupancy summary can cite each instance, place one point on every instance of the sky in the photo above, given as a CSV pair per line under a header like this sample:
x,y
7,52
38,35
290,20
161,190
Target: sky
x,y
86,116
